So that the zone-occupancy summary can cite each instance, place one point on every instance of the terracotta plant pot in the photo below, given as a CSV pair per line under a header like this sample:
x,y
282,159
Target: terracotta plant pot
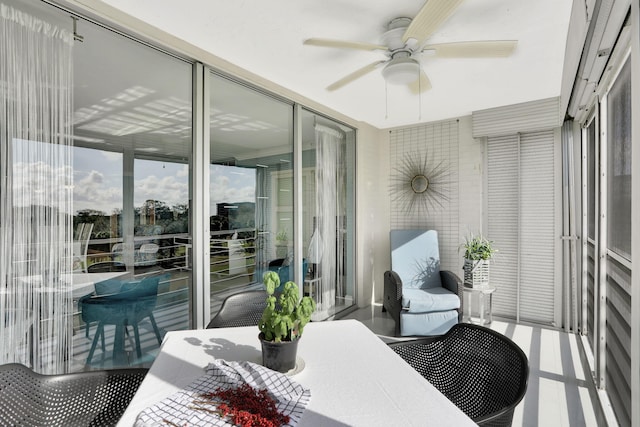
x,y
279,356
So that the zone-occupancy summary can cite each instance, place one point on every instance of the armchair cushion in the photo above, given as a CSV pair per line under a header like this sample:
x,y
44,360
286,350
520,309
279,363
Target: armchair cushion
x,y
425,324
421,298
416,258
427,300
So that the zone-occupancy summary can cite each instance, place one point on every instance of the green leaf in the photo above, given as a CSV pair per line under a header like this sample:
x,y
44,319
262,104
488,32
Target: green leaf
x,y
271,281
286,319
477,247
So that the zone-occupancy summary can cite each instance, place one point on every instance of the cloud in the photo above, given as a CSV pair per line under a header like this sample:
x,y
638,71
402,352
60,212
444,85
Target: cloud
x,y
169,189
93,192
101,189
183,171
39,183
224,189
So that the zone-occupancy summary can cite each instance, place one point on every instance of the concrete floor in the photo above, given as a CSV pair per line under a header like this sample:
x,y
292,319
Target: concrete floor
x,y
560,391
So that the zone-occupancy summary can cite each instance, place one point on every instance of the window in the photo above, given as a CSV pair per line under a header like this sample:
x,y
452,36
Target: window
x,y
591,180
619,164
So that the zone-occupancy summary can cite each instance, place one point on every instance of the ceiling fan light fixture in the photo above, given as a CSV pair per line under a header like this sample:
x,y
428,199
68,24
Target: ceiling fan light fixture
x,y
401,71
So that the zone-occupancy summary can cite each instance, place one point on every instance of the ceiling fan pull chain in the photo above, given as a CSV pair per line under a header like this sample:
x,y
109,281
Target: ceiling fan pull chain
x,y
386,100
419,97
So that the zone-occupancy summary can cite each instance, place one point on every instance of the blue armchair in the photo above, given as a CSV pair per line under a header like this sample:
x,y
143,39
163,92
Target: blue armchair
x,y
422,299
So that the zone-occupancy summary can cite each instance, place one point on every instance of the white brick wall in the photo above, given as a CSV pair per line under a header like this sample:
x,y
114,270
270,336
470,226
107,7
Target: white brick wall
x,y
449,142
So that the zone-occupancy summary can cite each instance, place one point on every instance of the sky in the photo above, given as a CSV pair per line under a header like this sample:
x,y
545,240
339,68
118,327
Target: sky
x,y
98,182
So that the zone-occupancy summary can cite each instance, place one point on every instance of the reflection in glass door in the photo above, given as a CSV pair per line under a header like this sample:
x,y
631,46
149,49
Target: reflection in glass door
x,y
132,155
328,211
232,226
251,189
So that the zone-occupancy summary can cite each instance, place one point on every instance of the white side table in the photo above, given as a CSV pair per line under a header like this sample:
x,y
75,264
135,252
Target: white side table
x,y
310,288
484,313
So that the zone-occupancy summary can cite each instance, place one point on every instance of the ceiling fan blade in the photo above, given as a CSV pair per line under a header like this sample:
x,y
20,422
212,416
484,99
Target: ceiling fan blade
x,y
476,49
428,20
420,85
344,44
355,75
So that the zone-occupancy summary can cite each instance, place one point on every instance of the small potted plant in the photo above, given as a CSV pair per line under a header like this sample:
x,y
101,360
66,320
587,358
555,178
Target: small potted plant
x,y
478,250
283,321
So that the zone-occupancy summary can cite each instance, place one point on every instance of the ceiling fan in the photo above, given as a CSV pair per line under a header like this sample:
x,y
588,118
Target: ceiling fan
x,y
407,38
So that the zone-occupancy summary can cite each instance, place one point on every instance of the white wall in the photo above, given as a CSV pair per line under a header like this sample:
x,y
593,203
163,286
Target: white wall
x,y
374,207
471,189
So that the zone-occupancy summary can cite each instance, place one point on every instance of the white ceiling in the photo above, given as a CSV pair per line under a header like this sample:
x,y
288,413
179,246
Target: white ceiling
x,y
265,38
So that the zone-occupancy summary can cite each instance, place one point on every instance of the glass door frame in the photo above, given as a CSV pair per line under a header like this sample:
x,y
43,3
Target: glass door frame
x,y
200,197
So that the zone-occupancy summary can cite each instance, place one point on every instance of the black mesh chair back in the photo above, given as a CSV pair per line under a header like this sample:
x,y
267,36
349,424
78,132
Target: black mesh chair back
x,y
241,309
481,371
96,398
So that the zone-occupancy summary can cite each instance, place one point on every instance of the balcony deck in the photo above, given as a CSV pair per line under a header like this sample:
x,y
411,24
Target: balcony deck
x,y
561,391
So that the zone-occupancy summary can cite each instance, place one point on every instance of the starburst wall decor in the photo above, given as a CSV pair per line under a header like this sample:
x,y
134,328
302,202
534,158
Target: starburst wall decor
x,y
420,184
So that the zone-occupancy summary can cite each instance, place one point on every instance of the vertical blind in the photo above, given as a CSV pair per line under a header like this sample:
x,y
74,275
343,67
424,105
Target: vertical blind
x,y
521,219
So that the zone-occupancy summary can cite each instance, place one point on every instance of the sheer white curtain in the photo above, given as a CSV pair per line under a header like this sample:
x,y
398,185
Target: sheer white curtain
x,y
263,240
35,191
330,211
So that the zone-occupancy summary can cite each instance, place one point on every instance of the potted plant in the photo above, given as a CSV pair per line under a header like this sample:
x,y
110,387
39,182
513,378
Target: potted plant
x,y
282,243
282,323
478,250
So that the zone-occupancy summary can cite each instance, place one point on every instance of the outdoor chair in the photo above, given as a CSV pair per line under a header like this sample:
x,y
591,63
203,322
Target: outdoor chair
x,y
241,309
106,267
128,306
108,286
285,273
144,254
422,299
481,371
96,398
81,246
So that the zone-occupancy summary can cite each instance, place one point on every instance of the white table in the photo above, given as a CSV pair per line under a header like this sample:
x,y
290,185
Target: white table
x,y
81,283
355,379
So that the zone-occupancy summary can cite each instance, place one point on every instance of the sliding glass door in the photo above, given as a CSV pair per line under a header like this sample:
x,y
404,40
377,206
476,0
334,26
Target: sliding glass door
x,y
278,191
327,180
132,156
251,188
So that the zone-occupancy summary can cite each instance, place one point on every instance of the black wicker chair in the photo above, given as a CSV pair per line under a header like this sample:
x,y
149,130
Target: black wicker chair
x,y
241,309
96,398
481,371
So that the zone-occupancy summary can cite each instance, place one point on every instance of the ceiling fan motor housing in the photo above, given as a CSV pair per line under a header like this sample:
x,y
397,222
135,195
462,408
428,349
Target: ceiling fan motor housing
x,y
401,70
393,36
